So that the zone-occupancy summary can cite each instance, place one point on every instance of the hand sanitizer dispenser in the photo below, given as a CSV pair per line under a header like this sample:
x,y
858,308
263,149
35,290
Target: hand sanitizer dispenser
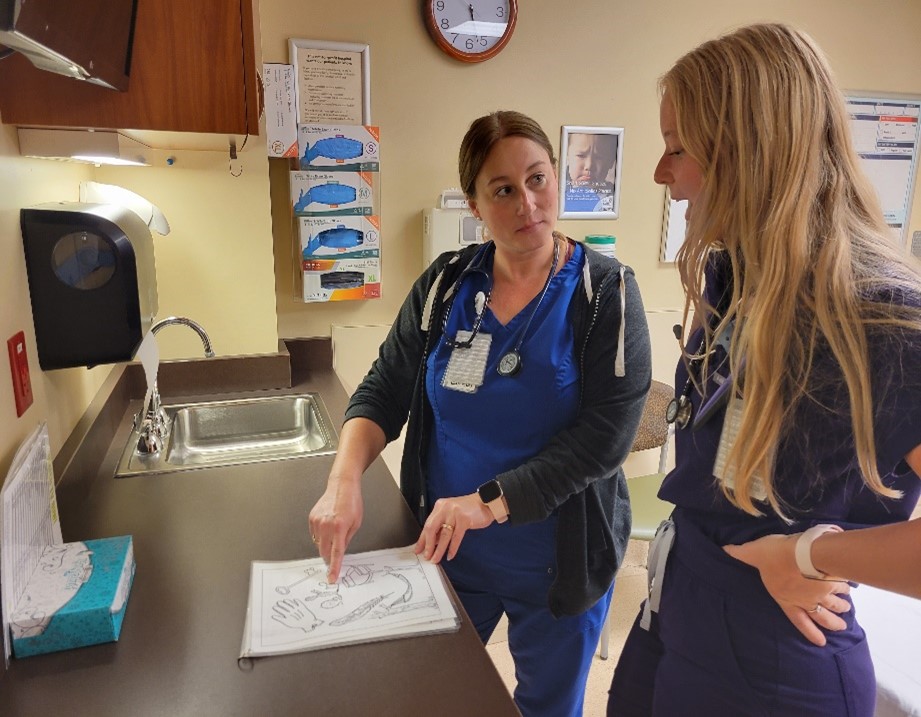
x,y
92,280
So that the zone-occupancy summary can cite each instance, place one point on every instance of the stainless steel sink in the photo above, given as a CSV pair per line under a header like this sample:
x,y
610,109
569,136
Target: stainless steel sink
x,y
228,433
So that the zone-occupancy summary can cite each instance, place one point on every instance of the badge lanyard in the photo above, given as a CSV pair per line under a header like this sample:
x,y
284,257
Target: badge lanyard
x,y
481,300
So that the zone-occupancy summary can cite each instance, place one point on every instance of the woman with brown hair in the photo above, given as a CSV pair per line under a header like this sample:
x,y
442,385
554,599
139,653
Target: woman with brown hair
x,y
522,366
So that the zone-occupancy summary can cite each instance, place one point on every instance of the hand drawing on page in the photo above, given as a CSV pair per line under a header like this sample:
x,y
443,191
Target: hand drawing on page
x,y
293,613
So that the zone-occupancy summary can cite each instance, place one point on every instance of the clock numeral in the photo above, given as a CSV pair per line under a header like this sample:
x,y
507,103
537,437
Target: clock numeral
x,y
483,41
445,24
440,6
500,11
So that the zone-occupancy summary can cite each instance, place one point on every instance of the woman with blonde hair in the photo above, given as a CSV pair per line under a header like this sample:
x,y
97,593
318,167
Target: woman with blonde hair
x,y
798,403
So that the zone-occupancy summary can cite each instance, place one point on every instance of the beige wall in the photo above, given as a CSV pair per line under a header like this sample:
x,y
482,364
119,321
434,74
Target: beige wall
x,y
215,266
596,67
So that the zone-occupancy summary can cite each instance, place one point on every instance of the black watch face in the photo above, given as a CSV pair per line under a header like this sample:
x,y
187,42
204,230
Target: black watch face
x,y
490,491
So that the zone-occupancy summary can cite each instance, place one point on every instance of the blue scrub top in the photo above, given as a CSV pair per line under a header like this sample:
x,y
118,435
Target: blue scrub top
x,y
509,419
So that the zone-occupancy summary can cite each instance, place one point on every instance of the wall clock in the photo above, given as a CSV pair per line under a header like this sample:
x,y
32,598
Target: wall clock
x,y
470,30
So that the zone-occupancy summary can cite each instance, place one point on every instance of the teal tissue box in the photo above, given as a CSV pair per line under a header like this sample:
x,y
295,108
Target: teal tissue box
x,y
76,596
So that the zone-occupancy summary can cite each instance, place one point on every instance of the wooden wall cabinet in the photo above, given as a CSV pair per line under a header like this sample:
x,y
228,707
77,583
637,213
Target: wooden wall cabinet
x,y
193,69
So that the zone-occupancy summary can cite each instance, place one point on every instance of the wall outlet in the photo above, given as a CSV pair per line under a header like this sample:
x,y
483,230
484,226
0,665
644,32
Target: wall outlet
x,y
19,365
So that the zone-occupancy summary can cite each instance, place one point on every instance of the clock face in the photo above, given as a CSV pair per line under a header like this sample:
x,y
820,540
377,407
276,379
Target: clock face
x,y
471,30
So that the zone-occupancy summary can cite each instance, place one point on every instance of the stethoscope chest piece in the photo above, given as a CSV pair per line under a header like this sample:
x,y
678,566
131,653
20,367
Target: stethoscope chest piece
x,y
679,411
509,364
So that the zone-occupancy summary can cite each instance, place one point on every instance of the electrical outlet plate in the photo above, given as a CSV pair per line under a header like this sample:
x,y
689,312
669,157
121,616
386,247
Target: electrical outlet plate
x,y
19,366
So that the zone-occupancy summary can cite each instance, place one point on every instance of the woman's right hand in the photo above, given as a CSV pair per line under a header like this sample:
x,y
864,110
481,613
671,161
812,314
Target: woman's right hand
x,y
808,604
334,519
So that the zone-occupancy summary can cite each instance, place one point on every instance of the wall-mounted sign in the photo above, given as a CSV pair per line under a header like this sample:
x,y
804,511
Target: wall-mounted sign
x,y
333,81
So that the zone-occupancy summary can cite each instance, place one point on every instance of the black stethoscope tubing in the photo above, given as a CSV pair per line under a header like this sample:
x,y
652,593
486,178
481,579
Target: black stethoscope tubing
x,y
510,362
680,410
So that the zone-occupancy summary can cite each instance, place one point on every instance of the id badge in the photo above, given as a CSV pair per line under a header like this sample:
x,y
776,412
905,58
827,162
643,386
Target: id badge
x,y
721,468
467,366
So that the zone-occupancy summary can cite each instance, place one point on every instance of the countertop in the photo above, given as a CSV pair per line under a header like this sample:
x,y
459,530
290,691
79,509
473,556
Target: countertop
x,y
195,534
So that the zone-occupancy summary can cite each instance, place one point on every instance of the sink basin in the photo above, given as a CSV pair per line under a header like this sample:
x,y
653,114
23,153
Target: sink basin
x,y
228,433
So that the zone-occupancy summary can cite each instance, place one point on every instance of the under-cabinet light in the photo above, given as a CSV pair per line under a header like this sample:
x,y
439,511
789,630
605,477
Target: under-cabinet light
x,y
83,145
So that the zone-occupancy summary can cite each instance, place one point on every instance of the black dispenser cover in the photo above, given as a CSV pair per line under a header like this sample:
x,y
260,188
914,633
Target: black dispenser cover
x,y
92,281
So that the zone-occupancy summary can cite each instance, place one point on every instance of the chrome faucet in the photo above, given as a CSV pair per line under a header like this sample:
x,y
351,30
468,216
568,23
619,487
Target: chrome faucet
x,y
181,320
154,427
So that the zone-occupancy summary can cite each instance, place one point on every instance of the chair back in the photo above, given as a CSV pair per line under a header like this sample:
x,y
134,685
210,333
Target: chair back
x,y
648,511
653,430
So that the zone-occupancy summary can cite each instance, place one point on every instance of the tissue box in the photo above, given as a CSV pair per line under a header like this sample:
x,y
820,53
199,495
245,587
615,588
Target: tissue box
x,y
333,193
76,596
339,237
339,147
341,280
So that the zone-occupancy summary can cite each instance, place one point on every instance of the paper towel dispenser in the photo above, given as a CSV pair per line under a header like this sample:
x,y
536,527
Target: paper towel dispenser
x,y
92,280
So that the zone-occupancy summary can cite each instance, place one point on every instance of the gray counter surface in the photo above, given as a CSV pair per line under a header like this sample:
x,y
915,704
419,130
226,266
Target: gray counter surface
x,y
195,534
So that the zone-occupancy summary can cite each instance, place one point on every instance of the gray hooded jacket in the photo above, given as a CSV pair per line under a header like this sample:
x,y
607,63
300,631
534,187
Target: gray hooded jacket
x,y
579,471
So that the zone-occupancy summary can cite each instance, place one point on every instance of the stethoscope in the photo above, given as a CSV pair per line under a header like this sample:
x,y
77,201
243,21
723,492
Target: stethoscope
x,y
510,362
680,410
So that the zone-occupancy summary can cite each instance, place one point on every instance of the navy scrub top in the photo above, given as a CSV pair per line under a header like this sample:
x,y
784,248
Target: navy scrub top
x,y
816,467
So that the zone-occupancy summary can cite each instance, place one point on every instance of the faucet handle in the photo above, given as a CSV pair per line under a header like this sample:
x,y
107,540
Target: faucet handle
x,y
152,424
150,439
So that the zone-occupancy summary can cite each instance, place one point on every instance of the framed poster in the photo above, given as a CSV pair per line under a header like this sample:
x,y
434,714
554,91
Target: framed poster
x,y
887,135
333,81
590,177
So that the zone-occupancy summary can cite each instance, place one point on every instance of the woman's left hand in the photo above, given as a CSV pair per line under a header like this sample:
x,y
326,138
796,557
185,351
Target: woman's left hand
x,y
808,604
449,520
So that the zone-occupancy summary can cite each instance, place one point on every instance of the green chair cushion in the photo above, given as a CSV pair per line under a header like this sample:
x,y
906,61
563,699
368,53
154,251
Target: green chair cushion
x,y
648,510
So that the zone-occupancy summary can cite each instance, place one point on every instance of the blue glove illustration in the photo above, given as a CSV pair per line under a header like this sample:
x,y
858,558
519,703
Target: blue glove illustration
x,y
334,148
331,193
336,238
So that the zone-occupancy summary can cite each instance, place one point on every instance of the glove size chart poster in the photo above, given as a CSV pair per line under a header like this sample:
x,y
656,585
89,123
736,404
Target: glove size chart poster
x,y
333,81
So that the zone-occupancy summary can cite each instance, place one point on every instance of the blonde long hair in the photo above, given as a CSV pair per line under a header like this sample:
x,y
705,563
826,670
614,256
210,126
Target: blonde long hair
x,y
784,196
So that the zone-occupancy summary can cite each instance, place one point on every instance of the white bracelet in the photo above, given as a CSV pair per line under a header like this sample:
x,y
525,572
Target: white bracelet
x,y
803,551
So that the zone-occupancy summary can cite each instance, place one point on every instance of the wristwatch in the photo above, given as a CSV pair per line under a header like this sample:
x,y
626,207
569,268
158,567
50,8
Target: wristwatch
x,y
803,551
491,494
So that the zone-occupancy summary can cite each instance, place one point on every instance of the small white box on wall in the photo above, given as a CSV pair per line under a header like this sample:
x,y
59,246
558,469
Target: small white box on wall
x,y
280,109
448,230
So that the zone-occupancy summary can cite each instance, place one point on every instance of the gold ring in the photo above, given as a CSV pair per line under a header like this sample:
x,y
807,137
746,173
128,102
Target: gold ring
x,y
445,526
314,539
817,609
